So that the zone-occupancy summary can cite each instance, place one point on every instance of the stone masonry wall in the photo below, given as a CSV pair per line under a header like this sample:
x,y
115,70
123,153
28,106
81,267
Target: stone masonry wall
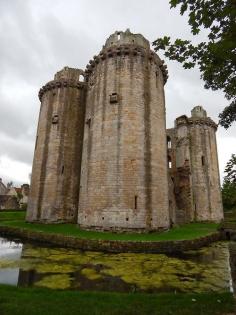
x,y
196,169
57,159
124,168
205,170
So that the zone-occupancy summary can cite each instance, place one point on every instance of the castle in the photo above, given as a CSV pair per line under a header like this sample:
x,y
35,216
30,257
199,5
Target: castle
x,y
103,157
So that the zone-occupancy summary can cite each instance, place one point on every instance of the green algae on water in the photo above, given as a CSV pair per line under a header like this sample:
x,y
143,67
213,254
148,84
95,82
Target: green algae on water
x,y
204,270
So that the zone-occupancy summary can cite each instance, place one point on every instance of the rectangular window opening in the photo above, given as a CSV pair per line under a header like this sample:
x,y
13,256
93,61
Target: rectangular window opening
x,y
113,98
203,160
88,122
135,202
55,119
36,142
62,169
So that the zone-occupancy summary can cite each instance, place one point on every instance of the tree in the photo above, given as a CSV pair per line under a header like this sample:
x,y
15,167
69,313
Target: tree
x,y
10,184
230,170
229,184
216,58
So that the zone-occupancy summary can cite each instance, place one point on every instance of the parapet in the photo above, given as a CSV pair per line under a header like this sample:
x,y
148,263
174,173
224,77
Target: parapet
x,y
182,120
126,38
198,111
69,74
67,77
126,44
198,117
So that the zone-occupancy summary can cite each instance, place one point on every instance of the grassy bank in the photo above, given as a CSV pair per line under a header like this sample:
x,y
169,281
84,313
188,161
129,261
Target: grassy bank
x,y
184,232
31,301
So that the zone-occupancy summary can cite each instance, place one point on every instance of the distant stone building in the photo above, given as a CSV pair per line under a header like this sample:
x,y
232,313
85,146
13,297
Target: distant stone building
x,y
24,195
13,197
101,157
3,188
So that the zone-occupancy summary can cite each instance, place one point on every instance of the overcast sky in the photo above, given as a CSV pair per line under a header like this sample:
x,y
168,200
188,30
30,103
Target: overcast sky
x,y
40,37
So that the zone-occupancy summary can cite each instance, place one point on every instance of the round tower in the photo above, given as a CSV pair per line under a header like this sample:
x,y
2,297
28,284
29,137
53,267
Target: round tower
x,y
124,165
55,177
206,190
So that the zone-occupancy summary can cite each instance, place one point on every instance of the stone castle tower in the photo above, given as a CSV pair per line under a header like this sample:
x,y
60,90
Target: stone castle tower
x,y
124,169
101,156
55,177
193,169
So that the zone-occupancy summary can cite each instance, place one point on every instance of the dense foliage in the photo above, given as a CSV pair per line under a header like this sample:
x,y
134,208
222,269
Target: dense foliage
x,y
229,184
216,58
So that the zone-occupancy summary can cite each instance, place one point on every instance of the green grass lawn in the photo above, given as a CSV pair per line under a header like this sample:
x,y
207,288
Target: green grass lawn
x,y
184,232
32,301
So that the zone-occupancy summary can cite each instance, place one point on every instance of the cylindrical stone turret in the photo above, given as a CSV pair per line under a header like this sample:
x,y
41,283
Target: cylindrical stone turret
x,y
205,169
55,177
197,149
124,182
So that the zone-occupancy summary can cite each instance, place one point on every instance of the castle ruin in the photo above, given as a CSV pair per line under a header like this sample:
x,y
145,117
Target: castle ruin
x,y
103,157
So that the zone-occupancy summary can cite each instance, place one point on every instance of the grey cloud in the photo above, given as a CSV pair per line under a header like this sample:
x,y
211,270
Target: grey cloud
x,y
38,38
19,149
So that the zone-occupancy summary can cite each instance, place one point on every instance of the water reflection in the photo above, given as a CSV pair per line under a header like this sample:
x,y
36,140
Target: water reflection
x,y
232,251
9,251
207,269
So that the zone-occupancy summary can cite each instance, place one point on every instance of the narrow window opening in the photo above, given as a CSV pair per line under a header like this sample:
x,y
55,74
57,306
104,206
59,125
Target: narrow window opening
x,y
169,162
88,122
118,36
135,202
127,219
195,207
203,160
36,142
157,74
103,218
227,234
81,78
62,169
168,142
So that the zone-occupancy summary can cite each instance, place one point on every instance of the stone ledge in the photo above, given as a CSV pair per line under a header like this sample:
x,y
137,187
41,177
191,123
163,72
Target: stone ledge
x,y
111,246
197,121
62,83
126,50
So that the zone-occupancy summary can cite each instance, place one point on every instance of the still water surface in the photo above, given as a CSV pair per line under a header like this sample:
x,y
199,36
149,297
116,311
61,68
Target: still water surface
x,y
207,269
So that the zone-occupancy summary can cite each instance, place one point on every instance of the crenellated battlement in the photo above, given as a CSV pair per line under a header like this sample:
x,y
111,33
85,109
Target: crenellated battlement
x,y
131,50
68,73
202,121
196,121
127,38
198,117
56,84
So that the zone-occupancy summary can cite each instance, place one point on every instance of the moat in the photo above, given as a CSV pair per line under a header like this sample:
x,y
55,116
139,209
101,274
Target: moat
x,y
31,265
